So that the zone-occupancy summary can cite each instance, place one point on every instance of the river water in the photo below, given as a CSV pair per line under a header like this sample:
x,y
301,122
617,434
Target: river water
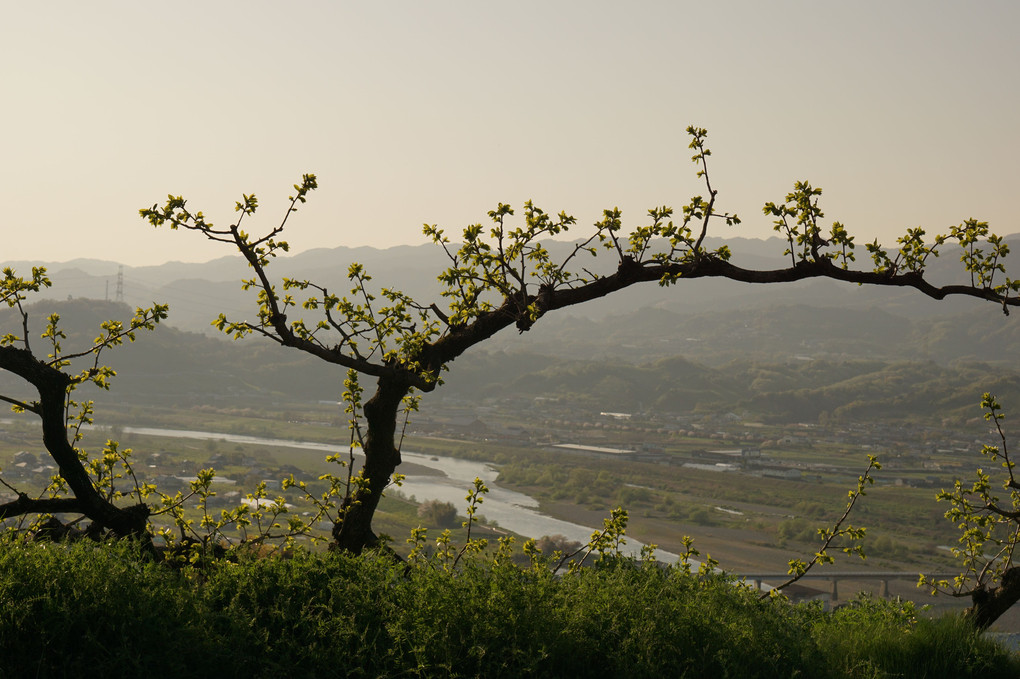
x,y
511,510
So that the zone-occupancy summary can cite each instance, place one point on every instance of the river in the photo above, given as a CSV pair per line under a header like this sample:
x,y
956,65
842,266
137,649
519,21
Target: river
x,y
514,511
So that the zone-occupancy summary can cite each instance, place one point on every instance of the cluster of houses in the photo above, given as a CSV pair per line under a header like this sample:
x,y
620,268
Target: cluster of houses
x,y
30,467
32,471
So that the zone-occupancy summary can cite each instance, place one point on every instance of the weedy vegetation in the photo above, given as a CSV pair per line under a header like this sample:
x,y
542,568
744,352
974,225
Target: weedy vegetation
x,y
96,609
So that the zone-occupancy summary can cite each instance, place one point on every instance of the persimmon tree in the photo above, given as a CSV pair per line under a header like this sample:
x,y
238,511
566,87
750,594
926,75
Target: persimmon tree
x,y
987,515
86,483
503,275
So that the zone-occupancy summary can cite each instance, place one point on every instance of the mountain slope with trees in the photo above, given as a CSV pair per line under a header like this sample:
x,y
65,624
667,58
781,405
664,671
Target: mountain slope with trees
x,y
776,382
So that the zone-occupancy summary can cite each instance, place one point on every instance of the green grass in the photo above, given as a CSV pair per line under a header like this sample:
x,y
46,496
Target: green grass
x,y
94,611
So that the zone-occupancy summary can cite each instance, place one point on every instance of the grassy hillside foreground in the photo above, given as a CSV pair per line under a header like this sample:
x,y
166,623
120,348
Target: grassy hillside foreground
x,y
88,611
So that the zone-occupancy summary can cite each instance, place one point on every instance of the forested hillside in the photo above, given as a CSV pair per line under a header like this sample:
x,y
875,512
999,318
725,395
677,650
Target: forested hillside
x,y
782,364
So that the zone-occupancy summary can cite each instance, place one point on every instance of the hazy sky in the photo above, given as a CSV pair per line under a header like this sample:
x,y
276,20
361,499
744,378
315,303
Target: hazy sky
x,y
906,113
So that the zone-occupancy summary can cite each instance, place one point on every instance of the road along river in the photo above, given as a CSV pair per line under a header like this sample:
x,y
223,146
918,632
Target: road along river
x,y
514,511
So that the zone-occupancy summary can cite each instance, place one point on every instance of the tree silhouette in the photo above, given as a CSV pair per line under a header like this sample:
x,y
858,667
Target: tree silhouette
x,y
89,478
503,276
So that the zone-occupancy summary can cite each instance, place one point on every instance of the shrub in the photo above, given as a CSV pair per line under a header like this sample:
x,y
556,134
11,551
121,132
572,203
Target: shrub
x,y
68,610
437,513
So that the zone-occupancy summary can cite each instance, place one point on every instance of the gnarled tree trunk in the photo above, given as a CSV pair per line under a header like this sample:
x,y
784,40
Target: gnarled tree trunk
x,y
52,386
987,605
353,532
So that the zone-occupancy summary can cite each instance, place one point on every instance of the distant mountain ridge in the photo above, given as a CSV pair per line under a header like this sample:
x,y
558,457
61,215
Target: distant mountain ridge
x,y
698,344
198,292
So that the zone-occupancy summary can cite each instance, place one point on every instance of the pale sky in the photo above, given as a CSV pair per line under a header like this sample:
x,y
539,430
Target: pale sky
x,y
905,112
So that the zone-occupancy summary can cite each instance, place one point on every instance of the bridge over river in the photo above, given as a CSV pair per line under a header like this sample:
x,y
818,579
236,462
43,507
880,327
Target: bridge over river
x,y
760,581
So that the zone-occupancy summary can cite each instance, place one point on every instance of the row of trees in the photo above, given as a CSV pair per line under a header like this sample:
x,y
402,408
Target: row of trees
x,y
499,276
